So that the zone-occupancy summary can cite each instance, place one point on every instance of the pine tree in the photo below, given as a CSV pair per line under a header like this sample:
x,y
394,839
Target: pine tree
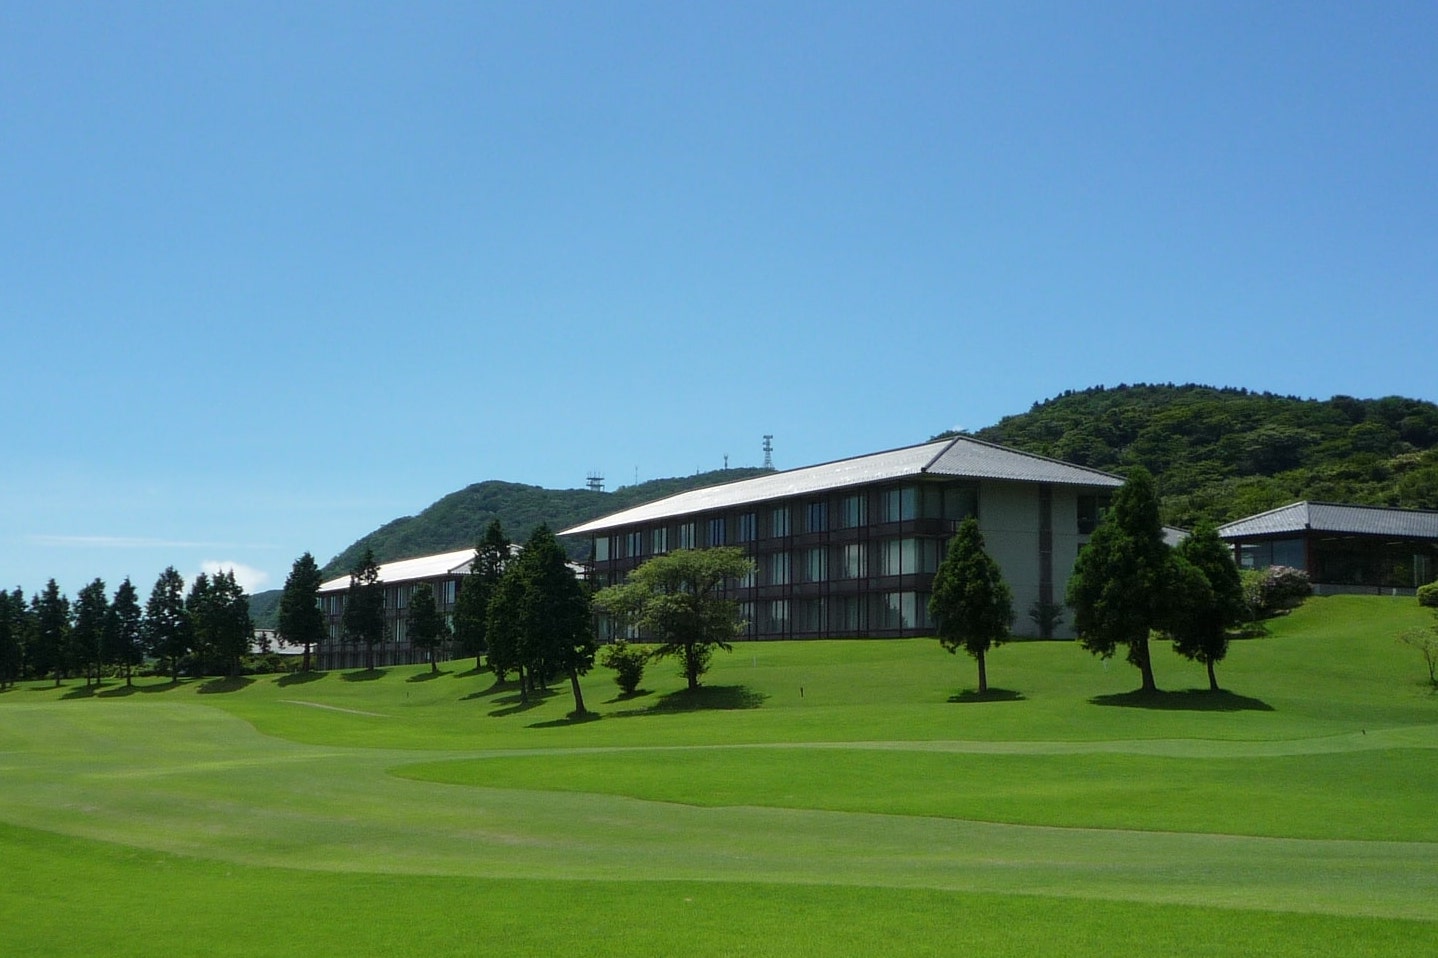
x,y
87,632
51,611
166,626
971,604
124,636
13,622
301,621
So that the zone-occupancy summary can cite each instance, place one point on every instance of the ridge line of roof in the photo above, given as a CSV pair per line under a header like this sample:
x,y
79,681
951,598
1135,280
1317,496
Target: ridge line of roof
x,y
1266,512
1039,456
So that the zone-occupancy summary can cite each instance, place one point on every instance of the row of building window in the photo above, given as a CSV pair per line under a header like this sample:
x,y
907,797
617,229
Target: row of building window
x,y
901,504
835,615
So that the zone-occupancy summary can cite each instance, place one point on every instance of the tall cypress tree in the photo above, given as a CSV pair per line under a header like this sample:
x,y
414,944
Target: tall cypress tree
x,y
471,606
1199,627
87,632
425,623
50,644
364,620
167,627
124,637
971,604
12,636
1119,585
301,620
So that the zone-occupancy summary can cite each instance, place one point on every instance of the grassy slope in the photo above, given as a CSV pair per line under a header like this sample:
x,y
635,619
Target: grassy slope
x,y
180,795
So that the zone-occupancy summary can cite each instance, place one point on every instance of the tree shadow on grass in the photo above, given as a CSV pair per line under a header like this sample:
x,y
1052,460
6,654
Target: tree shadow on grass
x,y
364,675
719,698
629,696
163,686
119,691
494,689
427,676
1188,700
469,674
85,691
572,718
229,683
299,678
514,705
992,695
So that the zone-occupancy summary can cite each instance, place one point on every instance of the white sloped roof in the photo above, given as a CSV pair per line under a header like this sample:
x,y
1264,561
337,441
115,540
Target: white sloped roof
x,y
1335,517
959,457
408,570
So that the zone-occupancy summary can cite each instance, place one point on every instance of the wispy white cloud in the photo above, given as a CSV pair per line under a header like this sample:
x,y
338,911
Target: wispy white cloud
x,y
249,578
131,542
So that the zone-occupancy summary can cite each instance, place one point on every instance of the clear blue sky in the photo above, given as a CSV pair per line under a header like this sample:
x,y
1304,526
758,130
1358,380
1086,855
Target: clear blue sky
x,y
272,274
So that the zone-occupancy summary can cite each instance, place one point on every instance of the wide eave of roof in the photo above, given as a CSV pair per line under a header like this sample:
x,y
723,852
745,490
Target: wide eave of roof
x,y
962,457
412,570
1335,517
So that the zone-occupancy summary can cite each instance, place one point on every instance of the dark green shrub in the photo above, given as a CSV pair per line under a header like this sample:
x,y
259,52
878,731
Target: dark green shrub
x,y
627,662
1428,595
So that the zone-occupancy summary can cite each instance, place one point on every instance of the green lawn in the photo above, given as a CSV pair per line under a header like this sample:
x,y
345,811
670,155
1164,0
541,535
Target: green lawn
x,y
817,798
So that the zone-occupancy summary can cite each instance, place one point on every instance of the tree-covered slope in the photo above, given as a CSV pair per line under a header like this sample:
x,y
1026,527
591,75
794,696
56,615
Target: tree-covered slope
x,y
1226,453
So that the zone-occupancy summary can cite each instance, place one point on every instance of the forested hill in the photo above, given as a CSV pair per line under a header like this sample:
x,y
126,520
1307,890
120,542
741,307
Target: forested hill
x,y
1227,453
460,518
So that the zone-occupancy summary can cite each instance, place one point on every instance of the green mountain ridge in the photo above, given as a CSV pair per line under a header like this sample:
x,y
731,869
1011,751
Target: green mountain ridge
x,y
1218,453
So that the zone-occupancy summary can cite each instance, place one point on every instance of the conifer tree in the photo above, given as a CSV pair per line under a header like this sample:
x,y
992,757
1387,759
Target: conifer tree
x,y
425,623
971,604
50,640
166,626
471,606
1118,589
301,621
124,637
1199,626
87,632
364,619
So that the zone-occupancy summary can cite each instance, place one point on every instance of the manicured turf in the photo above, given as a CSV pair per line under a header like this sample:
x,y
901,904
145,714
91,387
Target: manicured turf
x,y
817,798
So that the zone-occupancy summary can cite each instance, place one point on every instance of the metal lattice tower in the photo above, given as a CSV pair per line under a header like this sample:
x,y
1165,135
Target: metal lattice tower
x,y
595,482
768,452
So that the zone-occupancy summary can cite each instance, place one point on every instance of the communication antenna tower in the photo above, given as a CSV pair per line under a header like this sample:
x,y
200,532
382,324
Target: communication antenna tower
x,y
595,482
768,451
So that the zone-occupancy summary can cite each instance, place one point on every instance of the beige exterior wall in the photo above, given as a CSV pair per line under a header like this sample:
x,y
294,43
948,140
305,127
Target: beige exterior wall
x,y
1009,520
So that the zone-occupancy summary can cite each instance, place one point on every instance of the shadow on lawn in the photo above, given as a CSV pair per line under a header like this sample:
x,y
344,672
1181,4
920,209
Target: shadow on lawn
x,y
513,705
119,691
299,678
427,676
229,683
364,675
992,695
1188,700
568,720
494,689
629,696
717,698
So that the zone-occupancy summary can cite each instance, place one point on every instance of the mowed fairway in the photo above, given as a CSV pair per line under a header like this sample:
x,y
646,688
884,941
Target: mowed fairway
x,y
818,798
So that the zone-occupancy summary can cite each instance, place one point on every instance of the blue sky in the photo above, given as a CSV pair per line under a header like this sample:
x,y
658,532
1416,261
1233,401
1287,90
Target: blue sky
x,y
272,274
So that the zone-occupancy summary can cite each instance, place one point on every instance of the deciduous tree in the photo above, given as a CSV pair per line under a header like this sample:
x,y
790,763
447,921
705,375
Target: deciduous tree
x,y
678,599
971,604
301,621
